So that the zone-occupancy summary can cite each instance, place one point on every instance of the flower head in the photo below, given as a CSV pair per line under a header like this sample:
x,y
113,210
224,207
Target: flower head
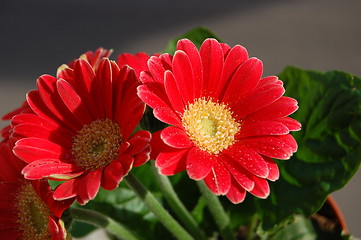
x,y
227,121
27,208
82,129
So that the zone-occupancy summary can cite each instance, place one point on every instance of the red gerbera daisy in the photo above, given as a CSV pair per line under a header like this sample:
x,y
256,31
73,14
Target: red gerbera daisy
x,y
27,208
82,128
228,122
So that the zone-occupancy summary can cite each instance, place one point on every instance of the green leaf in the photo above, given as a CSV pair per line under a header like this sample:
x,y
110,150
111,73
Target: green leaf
x,y
196,35
80,229
300,228
329,151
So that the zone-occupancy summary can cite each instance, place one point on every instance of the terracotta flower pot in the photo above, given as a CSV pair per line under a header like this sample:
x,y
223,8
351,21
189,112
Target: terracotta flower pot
x,y
329,219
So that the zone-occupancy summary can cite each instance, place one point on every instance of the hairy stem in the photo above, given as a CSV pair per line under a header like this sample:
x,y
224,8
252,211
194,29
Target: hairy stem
x,y
154,206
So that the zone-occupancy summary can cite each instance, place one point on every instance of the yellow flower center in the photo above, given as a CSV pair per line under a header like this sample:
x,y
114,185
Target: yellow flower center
x,y
97,144
210,125
32,213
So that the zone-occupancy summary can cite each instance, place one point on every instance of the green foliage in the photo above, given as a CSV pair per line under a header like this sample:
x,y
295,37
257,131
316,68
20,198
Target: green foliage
x,y
80,229
300,228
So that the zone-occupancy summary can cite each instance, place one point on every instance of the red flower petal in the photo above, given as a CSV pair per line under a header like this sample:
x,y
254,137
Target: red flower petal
x,y
129,112
38,131
10,165
239,173
88,185
56,229
157,70
166,60
259,99
142,157
123,84
48,93
274,173
150,98
262,129
290,123
40,108
279,109
270,80
65,72
57,207
161,109
183,73
289,141
157,88
243,81
219,179
34,119
175,137
236,193
271,146
105,77
11,234
129,115
212,62
94,57
173,93
226,48
249,159
261,188
5,224
199,163
138,61
66,190
193,55
74,102
84,75
127,163
167,116
138,142
158,145
170,163
32,149
48,168
112,175
234,58
87,88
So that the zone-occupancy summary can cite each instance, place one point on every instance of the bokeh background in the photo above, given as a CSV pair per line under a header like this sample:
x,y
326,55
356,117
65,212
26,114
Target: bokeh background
x,y
38,36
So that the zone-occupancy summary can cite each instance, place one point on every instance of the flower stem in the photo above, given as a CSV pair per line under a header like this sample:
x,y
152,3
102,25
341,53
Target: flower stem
x,y
217,211
252,227
100,220
154,206
177,205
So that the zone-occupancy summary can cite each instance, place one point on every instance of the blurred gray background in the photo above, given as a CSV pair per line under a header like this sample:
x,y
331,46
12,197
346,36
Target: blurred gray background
x,y
38,36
